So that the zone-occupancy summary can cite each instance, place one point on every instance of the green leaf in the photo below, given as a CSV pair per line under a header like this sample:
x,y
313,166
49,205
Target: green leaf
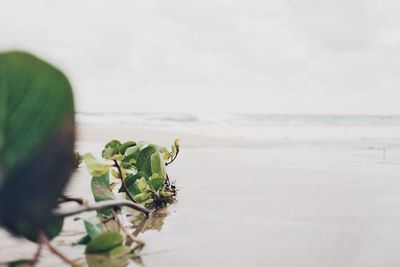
x,y
156,184
125,146
19,263
126,165
36,139
166,194
35,100
134,190
93,226
84,240
101,188
131,179
110,149
158,164
138,187
104,242
132,152
54,228
141,184
94,167
118,157
101,191
51,230
143,198
143,162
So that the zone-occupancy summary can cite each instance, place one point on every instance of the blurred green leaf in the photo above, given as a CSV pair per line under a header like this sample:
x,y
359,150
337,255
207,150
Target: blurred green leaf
x,y
84,240
104,242
54,228
93,226
114,173
35,100
51,230
94,167
19,263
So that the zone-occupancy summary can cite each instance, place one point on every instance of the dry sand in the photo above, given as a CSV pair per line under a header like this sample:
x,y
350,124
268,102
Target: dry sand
x,y
244,203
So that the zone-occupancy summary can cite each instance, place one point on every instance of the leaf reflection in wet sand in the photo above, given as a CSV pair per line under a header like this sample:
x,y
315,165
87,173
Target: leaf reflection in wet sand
x,y
121,258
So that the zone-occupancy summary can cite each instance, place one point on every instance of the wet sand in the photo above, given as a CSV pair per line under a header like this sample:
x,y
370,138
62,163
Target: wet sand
x,y
244,203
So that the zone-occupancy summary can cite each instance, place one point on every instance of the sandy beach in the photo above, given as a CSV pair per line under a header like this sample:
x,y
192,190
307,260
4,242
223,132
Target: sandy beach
x,y
248,203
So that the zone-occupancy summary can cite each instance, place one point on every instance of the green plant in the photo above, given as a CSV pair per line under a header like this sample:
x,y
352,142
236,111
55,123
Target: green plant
x,y
36,122
135,171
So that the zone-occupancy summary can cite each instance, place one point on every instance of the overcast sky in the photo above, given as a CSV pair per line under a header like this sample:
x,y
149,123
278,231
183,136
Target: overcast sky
x,y
287,56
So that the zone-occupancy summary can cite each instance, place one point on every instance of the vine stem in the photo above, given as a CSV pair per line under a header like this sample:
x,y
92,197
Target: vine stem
x,y
64,198
173,159
43,240
122,180
100,205
128,234
38,253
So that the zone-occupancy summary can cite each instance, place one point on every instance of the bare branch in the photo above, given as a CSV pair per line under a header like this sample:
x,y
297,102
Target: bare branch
x,y
58,213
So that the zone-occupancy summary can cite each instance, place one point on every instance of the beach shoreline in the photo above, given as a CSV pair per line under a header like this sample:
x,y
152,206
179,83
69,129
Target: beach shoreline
x,y
249,203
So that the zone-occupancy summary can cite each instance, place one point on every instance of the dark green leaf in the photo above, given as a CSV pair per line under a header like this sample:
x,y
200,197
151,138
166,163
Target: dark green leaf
x,y
143,162
51,230
54,229
138,187
84,240
35,99
126,165
131,179
125,146
156,184
19,263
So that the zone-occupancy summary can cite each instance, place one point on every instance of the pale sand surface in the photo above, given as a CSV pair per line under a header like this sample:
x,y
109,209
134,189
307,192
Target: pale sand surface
x,y
244,203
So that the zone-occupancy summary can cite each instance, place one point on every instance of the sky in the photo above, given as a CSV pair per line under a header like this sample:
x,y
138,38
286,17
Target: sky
x,y
257,56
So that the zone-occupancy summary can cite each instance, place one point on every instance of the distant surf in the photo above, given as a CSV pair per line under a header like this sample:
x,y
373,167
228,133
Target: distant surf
x,y
257,126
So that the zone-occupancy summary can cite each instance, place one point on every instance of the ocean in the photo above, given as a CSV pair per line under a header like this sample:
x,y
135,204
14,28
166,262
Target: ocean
x,y
260,127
